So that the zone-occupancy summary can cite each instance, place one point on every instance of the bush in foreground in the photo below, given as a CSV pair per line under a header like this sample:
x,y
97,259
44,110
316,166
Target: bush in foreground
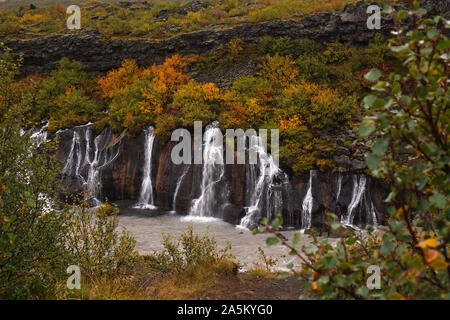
x,y
407,124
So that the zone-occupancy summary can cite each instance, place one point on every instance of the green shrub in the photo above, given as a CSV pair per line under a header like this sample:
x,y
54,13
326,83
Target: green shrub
x,y
188,250
62,98
32,232
95,244
117,26
39,236
272,46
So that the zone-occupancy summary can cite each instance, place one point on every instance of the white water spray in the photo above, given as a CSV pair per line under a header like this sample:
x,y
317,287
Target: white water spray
x,y
212,196
359,187
85,163
146,194
177,188
260,181
307,204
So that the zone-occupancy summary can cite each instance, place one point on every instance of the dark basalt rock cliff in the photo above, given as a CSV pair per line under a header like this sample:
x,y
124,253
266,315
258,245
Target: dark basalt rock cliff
x,y
98,55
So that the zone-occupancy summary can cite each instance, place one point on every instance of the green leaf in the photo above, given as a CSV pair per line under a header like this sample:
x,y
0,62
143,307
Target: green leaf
x,y
31,203
283,275
400,48
438,200
421,91
401,15
380,146
335,225
373,161
272,241
423,205
256,231
443,45
296,239
350,241
369,100
379,103
373,75
396,88
430,148
276,223
329,261
386,248
387,9
323,280
433,33
406,100
363,291
366,128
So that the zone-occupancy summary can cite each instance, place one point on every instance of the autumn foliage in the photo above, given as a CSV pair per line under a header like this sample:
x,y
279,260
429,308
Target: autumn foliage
x,y
283,92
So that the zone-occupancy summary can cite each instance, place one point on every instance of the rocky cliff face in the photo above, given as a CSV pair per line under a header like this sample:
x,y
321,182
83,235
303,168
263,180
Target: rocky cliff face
x,y
119,162
97,55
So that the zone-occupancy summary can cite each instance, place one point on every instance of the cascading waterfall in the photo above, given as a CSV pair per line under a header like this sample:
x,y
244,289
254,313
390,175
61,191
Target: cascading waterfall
x,y
373,212
359,188
251,180
307,204
145,200
40,136
93,177
211,197
339,186
262,179
369,207
74,159
87,157
177,188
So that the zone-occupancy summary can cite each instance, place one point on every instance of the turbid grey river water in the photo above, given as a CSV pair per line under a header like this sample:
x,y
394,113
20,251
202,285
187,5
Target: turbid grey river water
x,y
148,226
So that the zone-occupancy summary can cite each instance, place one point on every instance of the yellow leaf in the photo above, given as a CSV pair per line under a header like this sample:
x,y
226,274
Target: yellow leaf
x,y
439,264
400,213
429,243
435,260
314,286
396,296
431,255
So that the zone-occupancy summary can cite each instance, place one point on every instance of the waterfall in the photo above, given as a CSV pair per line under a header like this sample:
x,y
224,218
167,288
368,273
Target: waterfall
x,y
74,155
87,157
307,204
369,207
93,177
251,180
359,188
263,180
213,194
146,194
339,186
373,212
177,188
40,136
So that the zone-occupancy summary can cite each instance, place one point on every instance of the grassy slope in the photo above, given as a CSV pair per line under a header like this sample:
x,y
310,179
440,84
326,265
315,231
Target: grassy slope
x,y
120,21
